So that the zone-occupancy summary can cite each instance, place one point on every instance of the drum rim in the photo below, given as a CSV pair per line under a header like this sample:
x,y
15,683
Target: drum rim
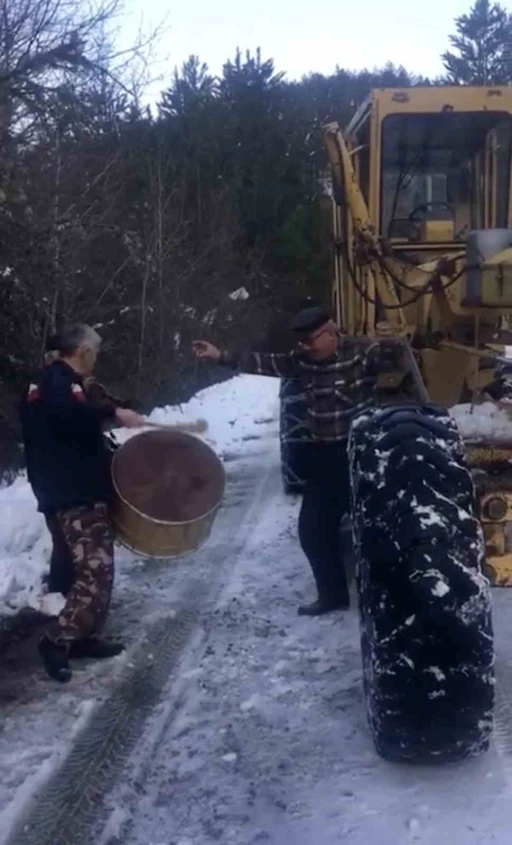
x,y
168,521
145,555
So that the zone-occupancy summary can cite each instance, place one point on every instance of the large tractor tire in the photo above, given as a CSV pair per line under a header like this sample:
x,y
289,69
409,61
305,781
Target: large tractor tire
x,y
426,632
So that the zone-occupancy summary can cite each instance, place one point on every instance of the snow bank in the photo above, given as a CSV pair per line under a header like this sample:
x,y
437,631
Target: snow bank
x,y
235,411
24,547
484,422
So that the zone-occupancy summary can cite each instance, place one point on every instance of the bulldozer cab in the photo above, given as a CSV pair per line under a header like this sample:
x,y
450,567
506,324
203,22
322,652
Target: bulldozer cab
x,y
434,168
434,163
444,175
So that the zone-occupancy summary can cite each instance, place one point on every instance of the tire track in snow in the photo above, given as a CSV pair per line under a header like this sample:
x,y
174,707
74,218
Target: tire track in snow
x,y
502,733
124,801
71,803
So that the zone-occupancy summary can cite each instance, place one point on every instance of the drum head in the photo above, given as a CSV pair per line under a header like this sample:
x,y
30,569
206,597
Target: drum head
x,y
168,476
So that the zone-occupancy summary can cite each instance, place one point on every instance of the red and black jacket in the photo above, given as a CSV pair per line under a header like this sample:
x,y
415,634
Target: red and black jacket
x,y
67,461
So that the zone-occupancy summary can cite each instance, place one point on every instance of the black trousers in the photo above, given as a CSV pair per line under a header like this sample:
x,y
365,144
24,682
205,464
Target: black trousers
x,y
61,561
326,501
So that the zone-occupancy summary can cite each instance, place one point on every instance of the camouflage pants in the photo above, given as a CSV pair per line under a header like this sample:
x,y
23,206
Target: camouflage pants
x,y
88,533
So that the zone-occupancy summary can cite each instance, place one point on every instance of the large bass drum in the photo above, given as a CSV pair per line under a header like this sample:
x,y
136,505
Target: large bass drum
x,y
168,488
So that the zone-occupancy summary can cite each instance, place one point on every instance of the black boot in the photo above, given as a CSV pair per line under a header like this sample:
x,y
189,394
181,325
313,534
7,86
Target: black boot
x,y
95,649
56,661
323,606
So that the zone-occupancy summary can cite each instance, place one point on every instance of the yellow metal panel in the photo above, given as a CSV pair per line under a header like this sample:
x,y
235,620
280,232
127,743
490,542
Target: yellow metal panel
x,y
499,570
478,379
484,454
503,257
496,285
375,163
437,231
444,373
447,98
494,541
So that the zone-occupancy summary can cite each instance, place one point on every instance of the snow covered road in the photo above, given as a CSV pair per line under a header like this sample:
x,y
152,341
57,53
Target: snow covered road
x,y
269,742
231,719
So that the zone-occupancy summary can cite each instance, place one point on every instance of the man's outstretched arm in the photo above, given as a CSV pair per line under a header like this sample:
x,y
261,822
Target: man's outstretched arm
x,y
258,363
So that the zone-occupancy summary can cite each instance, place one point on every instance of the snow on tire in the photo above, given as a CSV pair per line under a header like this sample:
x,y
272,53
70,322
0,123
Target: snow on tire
x,y
426,631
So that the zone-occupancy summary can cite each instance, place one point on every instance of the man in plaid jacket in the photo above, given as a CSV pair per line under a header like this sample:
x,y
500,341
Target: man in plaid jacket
x,y
340,376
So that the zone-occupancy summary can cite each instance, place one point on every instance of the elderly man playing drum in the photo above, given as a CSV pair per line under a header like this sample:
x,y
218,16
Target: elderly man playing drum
x,y
340,375
68,467
61,575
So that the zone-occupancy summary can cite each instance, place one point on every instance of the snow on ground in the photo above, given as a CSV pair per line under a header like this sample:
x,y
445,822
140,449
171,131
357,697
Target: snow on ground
x,y
234,410
484,422
269,744
260,736
24,547
39,717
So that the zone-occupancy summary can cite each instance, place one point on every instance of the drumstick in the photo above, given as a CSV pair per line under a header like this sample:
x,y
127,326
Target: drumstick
x,y
199,426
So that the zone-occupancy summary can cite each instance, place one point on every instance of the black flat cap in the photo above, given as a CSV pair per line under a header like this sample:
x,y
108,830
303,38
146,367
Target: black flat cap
x,y
310,319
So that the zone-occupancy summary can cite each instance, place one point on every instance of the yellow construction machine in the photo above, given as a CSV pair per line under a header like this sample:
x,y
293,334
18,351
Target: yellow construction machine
x,y
422,211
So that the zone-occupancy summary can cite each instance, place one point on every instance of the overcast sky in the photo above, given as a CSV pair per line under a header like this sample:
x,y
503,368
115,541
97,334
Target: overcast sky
x,y
301,35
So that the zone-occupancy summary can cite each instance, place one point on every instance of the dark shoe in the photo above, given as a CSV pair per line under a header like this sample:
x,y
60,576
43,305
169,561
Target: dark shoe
x,y
321,607
95,649
56,661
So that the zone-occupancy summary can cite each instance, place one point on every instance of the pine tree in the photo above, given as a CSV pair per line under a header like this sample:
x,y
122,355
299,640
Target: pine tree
x,y
192,88
483,45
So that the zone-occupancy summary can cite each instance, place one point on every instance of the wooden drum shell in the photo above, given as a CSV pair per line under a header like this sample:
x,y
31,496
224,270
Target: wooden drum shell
x,y
148,536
